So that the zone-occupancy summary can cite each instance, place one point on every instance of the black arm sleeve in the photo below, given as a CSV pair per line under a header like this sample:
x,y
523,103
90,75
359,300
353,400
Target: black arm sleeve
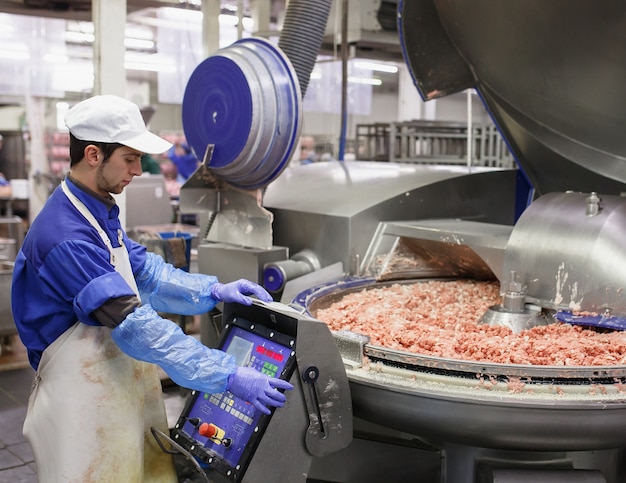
x,y
113,312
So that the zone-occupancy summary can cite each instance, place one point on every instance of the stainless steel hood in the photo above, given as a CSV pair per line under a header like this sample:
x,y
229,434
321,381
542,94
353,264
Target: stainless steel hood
x,y
549,73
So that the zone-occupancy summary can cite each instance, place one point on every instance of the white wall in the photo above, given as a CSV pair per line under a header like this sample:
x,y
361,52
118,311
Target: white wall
x,y
384,109
10,118
454,108
167,117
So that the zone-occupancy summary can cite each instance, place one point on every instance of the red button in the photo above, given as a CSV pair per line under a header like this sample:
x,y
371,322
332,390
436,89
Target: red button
x,y
207,430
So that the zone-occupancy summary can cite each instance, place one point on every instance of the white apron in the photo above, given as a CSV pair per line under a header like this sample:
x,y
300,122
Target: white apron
x,y
92,406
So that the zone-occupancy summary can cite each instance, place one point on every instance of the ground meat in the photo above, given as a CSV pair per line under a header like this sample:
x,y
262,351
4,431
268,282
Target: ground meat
x,y
440,318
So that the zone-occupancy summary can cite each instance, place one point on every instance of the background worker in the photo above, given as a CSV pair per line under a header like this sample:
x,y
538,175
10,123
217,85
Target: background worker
x,y
150,165
85,299
5,185
185,161
307,150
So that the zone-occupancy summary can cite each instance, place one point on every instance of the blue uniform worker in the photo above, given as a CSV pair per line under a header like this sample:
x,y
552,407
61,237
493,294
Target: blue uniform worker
x,y
185,161
85,301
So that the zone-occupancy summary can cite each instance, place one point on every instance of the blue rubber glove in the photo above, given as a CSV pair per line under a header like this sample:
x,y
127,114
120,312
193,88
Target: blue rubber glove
x,y
257,388
238,291
145,336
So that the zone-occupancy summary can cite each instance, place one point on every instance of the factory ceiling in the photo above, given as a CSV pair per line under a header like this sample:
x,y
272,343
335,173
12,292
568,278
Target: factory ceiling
x,y
76,9
81,9
382,44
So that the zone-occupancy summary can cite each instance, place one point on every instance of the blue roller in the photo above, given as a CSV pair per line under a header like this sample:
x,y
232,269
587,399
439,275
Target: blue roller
x,y
245,99
273,279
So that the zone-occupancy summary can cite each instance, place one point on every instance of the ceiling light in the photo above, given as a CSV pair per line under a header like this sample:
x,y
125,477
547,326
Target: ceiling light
x,y
153,63
56,58
139,32
138,43
79,37
134,65
80,26
87,38
15,51
391,69
365,80
354,80
14,55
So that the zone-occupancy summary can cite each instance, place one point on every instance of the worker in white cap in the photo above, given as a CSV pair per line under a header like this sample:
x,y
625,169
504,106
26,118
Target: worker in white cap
x,y
85,299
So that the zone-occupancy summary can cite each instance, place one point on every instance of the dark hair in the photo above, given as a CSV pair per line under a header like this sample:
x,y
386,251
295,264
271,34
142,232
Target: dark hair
x,y
77,149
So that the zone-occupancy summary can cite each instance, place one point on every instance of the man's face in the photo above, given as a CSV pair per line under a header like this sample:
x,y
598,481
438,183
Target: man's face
x,y
117,172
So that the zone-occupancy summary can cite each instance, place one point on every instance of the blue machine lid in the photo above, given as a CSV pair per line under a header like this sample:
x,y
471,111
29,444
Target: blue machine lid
x,y
245,99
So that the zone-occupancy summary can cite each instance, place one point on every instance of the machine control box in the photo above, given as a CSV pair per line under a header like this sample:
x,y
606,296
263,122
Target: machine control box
x,y
221,431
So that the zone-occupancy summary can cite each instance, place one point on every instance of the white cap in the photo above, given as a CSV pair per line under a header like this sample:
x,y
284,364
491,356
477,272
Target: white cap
x,y
113,119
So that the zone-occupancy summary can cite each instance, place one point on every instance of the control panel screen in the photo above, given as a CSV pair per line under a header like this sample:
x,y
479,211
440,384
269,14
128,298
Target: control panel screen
x,y
222,429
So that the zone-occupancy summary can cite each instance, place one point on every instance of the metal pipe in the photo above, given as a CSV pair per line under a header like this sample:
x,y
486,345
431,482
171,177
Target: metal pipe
x,y
344,79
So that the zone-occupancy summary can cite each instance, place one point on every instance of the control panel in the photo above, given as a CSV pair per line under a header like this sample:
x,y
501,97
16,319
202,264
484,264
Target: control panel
x,y
221,431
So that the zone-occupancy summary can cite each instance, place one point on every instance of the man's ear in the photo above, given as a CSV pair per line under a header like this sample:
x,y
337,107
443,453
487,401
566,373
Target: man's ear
x,y
92,154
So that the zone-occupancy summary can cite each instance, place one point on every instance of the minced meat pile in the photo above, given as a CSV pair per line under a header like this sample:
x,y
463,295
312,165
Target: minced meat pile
x,y
440,318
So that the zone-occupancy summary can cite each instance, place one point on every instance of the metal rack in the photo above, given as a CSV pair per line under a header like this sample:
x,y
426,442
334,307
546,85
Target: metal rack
x,y
373,141
432,142
11,238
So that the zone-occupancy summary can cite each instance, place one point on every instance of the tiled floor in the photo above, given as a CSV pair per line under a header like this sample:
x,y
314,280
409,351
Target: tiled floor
x,y
16,458
16,375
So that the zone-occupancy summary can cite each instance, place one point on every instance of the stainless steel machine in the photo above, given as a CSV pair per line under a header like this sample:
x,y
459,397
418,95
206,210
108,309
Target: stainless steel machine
x,y
148,202
548,80
529,64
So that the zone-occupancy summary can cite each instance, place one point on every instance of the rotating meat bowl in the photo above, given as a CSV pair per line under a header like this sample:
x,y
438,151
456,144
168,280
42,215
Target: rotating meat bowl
x,y
487,417
569,420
